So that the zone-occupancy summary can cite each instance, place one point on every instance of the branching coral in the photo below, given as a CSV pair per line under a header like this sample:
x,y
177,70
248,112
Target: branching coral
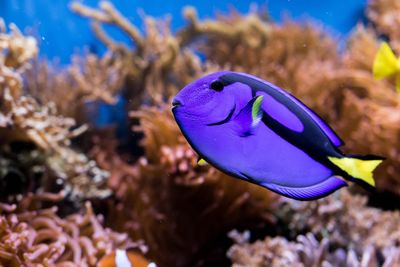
x,y
300,58
183,211
157,64
347,222
306,251
15,52
288,52
178,208
88,79
361,49
23,119
250,31
344,232
40,238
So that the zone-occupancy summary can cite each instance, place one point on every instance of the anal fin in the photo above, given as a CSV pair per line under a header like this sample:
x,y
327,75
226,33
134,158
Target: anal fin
x,y
312,192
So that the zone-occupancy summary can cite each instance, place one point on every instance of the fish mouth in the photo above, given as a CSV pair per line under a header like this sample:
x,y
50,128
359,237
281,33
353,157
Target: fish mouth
x,y
176,103
226,119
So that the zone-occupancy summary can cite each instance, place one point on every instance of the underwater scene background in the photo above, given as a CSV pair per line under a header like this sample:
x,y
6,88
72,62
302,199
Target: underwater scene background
x,y
93,165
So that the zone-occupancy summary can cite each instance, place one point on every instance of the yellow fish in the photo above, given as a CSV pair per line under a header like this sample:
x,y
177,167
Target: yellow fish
x,y
386,64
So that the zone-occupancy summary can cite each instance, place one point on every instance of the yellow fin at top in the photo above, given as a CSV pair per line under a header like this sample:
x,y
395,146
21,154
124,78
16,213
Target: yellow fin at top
x,y
385,63
202,162
358,168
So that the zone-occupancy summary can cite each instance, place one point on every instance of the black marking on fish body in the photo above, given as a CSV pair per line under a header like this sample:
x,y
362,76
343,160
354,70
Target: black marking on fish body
x,y
312,140
224,120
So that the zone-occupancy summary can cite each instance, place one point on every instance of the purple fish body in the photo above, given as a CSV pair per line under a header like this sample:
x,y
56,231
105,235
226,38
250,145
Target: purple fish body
x,y
255,131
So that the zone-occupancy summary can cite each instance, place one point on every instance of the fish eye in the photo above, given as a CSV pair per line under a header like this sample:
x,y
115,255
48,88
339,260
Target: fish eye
x,y
217,85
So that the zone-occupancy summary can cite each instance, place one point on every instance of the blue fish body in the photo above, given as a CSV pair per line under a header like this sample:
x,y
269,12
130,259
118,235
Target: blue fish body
x,y
255,131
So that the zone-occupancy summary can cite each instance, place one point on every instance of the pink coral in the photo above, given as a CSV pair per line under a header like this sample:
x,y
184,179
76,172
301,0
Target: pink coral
x,y
39,237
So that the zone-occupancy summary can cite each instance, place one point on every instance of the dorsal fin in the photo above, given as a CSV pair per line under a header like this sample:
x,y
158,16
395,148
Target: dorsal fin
x,y
256,84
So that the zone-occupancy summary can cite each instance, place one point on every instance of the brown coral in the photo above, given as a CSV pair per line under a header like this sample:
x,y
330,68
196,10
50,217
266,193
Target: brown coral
x,y
384,14
88,79
157,64
362,47
183,211
23,119
303,60
288,52
177,207
343,92
251,31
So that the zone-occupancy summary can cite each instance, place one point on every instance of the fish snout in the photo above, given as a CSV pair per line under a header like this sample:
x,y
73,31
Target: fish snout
x,y
176,103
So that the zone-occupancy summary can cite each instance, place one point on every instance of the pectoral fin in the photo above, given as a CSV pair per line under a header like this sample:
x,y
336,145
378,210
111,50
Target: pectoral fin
x,y
201,162
249,117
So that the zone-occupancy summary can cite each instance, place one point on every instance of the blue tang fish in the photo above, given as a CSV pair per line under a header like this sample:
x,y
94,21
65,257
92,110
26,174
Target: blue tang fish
x,y
255,131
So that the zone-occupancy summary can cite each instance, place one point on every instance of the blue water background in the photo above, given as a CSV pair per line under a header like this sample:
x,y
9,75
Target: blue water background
x,y
62,33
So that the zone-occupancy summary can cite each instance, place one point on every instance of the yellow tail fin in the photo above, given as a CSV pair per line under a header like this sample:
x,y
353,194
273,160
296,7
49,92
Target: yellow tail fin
x,y
358,168
385,63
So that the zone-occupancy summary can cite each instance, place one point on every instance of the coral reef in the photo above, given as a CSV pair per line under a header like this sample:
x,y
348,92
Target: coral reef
x,y
157,63
165,195
36,156
347,222
183,212
24,120
88,79
343,232
306,251
384,14
251,30
39,237
362,110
